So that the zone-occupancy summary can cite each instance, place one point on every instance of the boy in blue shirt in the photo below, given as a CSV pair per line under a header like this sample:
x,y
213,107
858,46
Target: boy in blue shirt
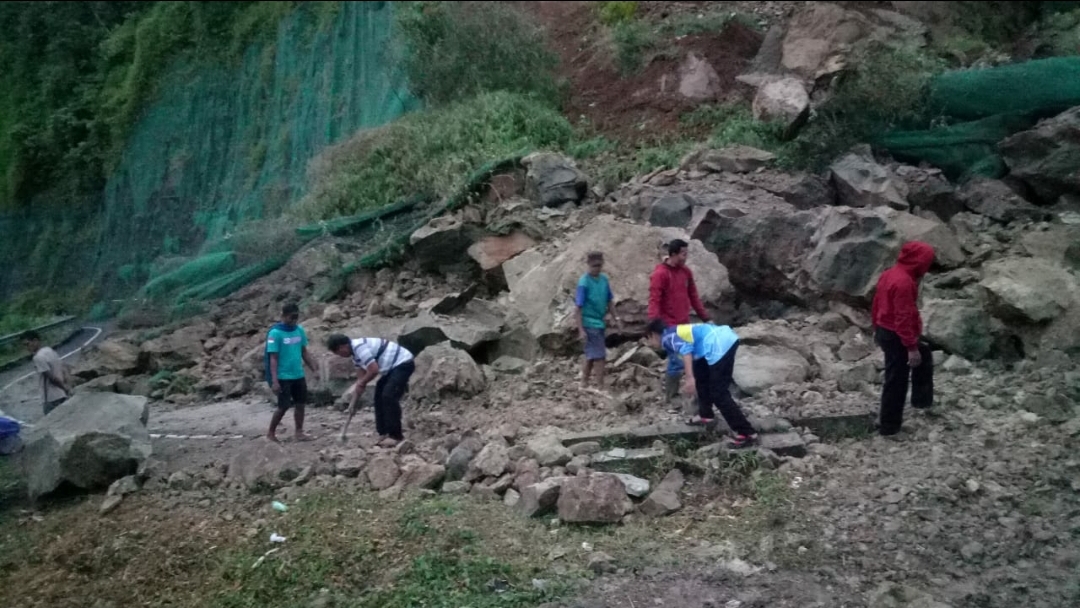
x,y
594,302
286,354
708,350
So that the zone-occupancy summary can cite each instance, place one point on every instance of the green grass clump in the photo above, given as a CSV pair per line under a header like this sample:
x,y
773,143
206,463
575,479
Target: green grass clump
x,y
430,152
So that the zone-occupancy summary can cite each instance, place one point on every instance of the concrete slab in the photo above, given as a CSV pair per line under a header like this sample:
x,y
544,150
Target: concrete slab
x,y
783,444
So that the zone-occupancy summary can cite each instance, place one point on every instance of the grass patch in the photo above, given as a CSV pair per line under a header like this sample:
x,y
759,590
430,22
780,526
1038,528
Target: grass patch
x,y
429,152
637,42
455,50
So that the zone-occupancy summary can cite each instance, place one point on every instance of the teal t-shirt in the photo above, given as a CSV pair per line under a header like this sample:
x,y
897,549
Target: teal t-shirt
x,y
289,345
593,295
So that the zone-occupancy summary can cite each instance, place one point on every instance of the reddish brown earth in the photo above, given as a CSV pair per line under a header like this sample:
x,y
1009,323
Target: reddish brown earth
x,y
645,106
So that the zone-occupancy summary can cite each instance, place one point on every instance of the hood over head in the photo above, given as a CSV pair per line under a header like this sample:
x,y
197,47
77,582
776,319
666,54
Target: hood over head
x,y
916,257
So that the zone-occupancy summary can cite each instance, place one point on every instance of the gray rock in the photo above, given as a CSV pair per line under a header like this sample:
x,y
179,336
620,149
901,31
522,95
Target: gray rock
x,y
511,498
264,465
422,475
110,503
861,182
601,563
1028,289
664,500
758,368
672,211
510,365
784,101
893,595
540,498
585,448
457,465
443,242
598,498
698,80
959,326
737,159
492,461
548,451
180,480
351,462
383,472
456,487
90,441
635,486
998,202
124,486
552,180
1045,157
443,370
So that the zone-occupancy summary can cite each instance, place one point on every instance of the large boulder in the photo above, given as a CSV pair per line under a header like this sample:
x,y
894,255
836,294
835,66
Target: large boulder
x,y
265,465
672,211
111,357
178,350
759,368
698,80
784,101
444,370
998,202
490,252
477,325
817,37
90,441
1046,157
962,327
1028,289
861,182
593,499
443,242
552,180
543,295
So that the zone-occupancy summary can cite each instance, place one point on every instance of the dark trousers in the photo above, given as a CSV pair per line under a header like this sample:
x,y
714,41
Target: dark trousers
x,y
388,393
897,376
713,382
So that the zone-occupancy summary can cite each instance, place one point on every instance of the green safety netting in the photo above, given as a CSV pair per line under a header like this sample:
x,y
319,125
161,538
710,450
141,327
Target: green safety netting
x,y
986,106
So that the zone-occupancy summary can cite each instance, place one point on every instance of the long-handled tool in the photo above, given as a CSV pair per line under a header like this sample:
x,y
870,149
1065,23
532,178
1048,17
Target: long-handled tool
x,y
352,411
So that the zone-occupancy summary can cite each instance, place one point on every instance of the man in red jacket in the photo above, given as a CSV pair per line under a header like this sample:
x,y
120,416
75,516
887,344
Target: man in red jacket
x,y
672,292
898,327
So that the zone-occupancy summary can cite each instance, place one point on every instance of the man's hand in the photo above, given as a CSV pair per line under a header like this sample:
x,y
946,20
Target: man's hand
x,y
689,387
275,386
914,357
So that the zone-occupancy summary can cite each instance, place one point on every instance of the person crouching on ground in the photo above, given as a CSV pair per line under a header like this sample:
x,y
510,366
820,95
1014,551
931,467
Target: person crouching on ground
x,y
372,357
709,352
594,302
897,330
286,354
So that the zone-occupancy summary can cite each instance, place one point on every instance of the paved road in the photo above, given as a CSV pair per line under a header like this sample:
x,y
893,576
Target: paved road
x,y
20,394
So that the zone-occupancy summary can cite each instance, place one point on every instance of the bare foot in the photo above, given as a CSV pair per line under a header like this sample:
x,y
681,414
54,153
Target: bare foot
x,y
302,436
387,442
272,437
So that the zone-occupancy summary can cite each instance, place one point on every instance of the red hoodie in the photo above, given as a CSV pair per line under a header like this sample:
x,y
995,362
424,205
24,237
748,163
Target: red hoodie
x,y
672,292
895,305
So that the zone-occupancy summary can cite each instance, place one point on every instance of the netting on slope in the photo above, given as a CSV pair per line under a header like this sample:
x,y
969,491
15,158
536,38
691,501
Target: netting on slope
x,y
995,103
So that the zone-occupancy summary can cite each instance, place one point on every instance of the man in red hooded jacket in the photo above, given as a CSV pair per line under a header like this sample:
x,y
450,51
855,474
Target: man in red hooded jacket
x,y
898,327
672,292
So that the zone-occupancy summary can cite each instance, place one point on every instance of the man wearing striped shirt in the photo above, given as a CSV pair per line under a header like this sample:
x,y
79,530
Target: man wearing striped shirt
x,y
393,364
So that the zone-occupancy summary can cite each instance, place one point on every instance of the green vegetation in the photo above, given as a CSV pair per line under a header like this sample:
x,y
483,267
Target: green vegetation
x,y
454,50
616,12
636,42
429,152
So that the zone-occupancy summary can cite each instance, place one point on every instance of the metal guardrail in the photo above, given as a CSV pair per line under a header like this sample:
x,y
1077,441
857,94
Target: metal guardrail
x,y
59,323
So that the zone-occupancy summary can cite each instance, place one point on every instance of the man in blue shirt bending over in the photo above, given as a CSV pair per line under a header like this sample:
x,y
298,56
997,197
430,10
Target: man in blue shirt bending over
x,y
708,350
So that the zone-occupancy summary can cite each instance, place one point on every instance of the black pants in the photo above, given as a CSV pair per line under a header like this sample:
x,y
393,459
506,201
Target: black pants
x,y
713,382
293,393
388,393
52,405
897,376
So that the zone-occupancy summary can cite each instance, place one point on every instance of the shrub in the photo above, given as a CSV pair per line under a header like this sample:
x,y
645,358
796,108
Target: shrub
x,y
616,12
453,50
428,152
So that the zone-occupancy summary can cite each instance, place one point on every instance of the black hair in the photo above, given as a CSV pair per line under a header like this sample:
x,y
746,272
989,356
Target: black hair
x,y
290,309
336,341
656,326
595,256
676,246
31,336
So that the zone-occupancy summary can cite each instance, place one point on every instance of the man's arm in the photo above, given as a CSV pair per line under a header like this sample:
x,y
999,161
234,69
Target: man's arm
x,y
656,293
363,376
579,302
695,301
274,384
309,360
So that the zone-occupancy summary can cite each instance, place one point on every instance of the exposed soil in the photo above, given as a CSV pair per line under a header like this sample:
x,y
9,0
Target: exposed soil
x,y
645,106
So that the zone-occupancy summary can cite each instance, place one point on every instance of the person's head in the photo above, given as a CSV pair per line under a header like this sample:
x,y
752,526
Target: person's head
x,y
917,257
595,262
654,331
340,345
290,314
678,250
31,340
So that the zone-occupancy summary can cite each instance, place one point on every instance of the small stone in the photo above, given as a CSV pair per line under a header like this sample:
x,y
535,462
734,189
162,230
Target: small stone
x,y
635,486
110,503
511,498
972,551
601,563
456,487
383,472
585,448
180,481
124,486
